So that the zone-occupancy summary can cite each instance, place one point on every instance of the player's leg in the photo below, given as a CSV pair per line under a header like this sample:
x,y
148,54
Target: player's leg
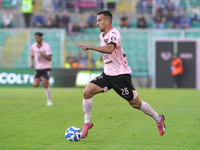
x,y
143,106
36,82
146,108
88,93
98,85
123,86
46,87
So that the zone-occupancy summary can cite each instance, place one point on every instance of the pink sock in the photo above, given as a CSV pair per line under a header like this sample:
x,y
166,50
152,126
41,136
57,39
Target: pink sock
x,y
48,93
146,108
87,106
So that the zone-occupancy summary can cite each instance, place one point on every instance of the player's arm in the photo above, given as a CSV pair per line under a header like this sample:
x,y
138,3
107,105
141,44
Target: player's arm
x,y
105,49
32,65
45,56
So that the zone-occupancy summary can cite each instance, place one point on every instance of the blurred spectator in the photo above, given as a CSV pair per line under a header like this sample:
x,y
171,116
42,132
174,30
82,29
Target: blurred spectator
x,y
170,16
159,11
185,21
99,63
78,56
56,21
82,20
157,19
49,23
7,20
86,61
124,21
175,23
76,29
55,5
179,11
71,63
47,5
64,20
169,8
195,12
149,6
27,10
80,59
92,20
0,2
69,60
176,3
141,21
70,29
38,20
144,6
161,25
166,6
140,6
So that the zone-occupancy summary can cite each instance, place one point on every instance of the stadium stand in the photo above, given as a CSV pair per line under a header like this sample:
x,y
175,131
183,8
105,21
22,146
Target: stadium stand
x,y
10,3
136,43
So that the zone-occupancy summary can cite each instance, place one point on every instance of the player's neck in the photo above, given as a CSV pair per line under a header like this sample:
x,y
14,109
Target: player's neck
x,y
107,30
39,44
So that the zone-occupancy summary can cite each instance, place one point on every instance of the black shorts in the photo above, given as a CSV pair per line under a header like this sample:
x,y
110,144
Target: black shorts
x,y
45,73
121,84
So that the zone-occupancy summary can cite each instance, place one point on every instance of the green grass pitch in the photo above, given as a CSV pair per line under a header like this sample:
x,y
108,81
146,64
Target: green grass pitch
x,y
27,124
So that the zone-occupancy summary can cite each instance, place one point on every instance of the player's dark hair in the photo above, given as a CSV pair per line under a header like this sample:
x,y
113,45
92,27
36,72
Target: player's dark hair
x,y
39,34
106,13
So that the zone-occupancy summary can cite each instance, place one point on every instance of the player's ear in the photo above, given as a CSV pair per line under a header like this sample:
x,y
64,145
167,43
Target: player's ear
x,y
107,20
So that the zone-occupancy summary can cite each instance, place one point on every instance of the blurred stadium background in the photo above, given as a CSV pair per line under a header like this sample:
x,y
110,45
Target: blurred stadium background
x,y
138,43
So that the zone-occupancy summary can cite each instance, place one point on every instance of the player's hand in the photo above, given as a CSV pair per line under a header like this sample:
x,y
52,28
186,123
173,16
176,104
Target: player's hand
x,y
84,46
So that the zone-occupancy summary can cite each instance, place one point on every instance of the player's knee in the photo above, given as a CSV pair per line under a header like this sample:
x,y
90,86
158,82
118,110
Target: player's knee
x,y
35,84
87,94
136,106
45,86
136,103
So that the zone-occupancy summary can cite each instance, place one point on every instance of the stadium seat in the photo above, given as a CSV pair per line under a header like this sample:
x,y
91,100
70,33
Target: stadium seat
x,y
195,24
150,24
91,30
115,24
133,25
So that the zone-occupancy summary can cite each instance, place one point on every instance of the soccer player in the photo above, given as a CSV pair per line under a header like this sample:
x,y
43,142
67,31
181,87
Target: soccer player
x,y
116,74
42,53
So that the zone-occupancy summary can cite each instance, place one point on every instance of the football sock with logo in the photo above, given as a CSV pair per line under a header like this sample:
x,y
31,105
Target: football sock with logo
x,y
48,94
146,108
87,107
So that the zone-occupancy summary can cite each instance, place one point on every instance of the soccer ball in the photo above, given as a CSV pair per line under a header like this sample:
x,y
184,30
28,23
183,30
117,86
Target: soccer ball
x,y
73,134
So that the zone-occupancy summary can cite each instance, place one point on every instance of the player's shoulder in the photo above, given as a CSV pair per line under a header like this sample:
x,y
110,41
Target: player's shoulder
x,y
33,45
45,44
114,32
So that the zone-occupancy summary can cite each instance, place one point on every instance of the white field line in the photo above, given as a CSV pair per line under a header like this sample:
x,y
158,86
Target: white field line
x,y
108,108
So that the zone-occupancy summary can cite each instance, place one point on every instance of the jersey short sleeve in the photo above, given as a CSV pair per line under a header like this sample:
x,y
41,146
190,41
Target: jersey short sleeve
x,y
113,38
32,51
48,50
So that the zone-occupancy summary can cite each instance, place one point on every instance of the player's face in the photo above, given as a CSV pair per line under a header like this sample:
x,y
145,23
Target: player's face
x,y
38,39
101,22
